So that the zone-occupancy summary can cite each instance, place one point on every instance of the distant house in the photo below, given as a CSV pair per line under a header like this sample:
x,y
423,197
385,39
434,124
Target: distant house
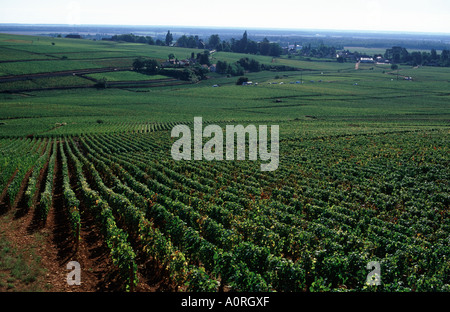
x,y
175,63
346,55
213,68
169,62
366,60
184,63
381,60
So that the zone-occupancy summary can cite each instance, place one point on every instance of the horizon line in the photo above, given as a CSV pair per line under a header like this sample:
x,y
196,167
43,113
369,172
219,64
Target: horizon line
x,y
237,28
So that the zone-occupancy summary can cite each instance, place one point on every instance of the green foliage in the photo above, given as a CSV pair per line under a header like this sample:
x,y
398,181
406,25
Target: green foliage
x,y
45,201
363,172
416,58
241,80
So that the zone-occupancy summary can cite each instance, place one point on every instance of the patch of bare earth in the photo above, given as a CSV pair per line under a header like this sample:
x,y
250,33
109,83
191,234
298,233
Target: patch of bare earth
x,y
51,245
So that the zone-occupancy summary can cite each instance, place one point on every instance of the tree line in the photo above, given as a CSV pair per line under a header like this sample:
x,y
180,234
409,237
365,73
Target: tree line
x,y
399,55
243,45
142,39
321,51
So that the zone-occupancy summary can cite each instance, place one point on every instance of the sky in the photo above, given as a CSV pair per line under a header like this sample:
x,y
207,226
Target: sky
x,y
374,15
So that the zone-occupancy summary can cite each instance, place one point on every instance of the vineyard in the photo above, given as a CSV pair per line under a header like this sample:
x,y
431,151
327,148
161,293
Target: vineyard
x,y
86,174
313,225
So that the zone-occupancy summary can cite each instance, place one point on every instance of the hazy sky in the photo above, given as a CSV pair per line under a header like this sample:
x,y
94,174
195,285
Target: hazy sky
x,y
390,15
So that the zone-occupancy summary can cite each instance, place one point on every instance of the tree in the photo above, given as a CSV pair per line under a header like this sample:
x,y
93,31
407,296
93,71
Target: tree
x,y
182,41
221,67
397,55
264,47
416,58
244,62
150,40
445,58
169,38
254,66
242,44
213,41
275,49
188,75
203,58
138,64
102,83
250,65
252,47
141,39
151,66
241,80
434,55
226,47
235,69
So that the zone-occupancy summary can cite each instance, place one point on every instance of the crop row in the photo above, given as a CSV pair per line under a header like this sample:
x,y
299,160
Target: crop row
x,y
314,224
336,222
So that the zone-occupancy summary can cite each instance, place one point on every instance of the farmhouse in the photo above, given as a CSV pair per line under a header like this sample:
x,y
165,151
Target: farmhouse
x,y
349,56
381,60
366,60
169,62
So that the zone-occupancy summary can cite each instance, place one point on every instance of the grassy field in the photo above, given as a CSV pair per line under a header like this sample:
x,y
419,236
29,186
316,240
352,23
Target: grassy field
x,y
363,175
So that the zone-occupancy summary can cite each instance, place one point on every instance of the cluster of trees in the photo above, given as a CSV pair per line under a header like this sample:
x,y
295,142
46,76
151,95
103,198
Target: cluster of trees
x,y
152,67
401,55
134,39
202,58
149,66
322,51
245,45
250,64
245,64
238,68
232,69
190,42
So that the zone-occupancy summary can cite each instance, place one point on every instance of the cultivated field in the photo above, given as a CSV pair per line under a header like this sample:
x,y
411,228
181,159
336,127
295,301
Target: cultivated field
x,y
87,174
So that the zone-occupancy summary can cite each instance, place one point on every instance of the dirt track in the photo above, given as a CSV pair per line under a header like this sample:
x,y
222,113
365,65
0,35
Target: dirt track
x,y
13,78
82,72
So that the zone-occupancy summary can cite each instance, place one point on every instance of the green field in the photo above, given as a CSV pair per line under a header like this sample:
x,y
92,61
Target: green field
x,y
363,173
